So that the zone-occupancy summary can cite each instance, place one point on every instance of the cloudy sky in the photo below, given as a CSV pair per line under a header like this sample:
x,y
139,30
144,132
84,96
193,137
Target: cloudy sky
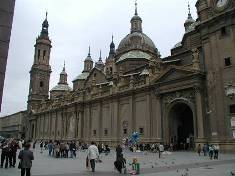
x,y
76,24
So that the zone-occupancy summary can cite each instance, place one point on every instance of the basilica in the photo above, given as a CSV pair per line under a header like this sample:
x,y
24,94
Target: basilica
x,y
189,95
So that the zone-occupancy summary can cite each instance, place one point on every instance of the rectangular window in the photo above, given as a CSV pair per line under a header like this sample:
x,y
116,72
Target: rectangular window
x,y
227,61
232,109
223,31
106,132
94,132
141,130
124,131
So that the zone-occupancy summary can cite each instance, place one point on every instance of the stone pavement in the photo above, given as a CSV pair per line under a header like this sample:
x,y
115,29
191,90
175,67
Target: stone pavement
x,y
174,164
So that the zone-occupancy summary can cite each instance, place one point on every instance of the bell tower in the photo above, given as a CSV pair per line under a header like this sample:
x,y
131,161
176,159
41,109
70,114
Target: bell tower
x,y
202,10
41,69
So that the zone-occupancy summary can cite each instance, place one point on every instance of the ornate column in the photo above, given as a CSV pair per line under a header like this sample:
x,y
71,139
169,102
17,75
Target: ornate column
x,y
199,111
100,122
158,128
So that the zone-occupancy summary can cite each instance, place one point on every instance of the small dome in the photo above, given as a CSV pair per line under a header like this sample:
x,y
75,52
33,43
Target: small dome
x,y
190,20
82,76
136,17
88,58
100,62
63,73
136,40
61,87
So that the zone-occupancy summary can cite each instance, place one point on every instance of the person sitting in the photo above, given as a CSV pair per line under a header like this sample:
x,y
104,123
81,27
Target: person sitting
x,y
120,163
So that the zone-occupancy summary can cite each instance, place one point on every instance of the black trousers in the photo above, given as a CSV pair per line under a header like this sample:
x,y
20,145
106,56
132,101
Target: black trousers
x,y
12,159
92,161
25,170
4,156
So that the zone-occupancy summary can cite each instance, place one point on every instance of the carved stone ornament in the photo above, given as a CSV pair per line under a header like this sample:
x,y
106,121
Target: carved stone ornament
x,y
230,90
125,124
187,95
196,59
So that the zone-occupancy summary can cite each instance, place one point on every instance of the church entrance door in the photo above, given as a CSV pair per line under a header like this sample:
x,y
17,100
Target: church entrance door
x,y
181,127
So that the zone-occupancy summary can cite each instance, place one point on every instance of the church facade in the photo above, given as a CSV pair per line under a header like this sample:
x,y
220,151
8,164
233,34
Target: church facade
x,y
189,95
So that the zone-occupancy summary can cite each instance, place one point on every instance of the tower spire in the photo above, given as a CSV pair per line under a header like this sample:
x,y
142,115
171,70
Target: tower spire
x,y
45,26
112,48
189,11
64,66
136,21
189,21
136,13
89,52
100,56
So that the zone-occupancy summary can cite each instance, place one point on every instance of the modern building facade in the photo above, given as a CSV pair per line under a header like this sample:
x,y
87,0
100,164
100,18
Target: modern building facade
x,y
6,18
188,95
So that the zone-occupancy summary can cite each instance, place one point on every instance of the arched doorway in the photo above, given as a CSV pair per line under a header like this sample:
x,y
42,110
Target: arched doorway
x,y
181,126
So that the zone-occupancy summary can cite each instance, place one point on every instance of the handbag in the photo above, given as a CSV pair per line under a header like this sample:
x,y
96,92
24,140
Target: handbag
x,y
20,165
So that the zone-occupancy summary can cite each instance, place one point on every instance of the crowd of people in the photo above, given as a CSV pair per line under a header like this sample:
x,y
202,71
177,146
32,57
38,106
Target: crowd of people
x,y
65,149
211,150
9,152
59,149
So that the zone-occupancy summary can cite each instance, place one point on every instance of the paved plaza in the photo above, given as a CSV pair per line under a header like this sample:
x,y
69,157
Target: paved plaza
x,y
171,164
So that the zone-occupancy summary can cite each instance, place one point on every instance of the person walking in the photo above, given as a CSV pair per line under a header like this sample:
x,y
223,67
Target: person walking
x,y
5,154
118,151
160,149
199,149
41,146
72,148
216,151
26,157
50,147
204,149
92,154
12,154
211,151
120,164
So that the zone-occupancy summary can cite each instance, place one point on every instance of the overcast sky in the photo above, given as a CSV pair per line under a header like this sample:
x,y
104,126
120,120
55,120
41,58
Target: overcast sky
x,y
76,24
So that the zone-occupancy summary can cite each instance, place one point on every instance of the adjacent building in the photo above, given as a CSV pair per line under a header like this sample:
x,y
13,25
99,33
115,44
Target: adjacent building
x,y
13,126
6,18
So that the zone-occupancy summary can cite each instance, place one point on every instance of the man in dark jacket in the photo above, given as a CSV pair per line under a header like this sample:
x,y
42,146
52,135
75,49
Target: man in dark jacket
x,y
118,151
26,157
12,154
5,154
120,163
72,148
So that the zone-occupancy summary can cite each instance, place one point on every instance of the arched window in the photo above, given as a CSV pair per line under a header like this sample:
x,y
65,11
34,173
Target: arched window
x,y
41,84
44,54
38,54
111,70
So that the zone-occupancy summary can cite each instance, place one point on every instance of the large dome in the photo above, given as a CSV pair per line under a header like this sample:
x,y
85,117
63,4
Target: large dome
x,y
136,40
